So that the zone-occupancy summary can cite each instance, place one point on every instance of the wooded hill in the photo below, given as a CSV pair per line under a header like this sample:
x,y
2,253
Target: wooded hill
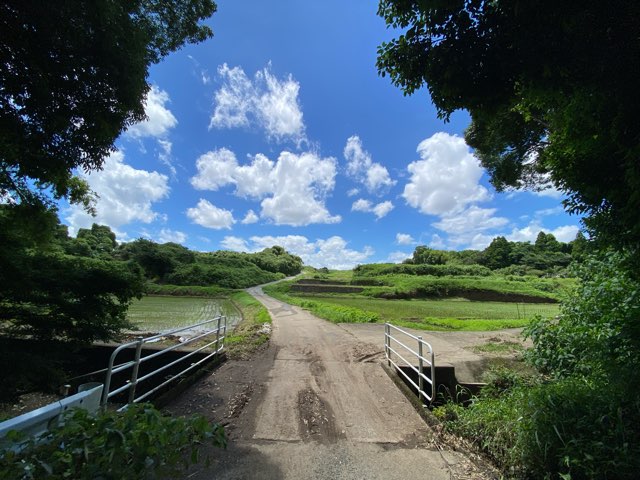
x,y
53,286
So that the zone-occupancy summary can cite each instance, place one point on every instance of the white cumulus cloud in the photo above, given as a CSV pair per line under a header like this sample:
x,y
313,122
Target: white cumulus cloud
x,y
215,169
235,244
379,210
404,239
160,119
361,205
166,235
382,208
446,178
472,220
208,215
266,101
363,169
398,257
292,190
125,195
564,233
250,218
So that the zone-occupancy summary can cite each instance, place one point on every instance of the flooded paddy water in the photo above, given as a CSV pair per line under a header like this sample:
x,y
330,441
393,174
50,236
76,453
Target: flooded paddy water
x,y
159,314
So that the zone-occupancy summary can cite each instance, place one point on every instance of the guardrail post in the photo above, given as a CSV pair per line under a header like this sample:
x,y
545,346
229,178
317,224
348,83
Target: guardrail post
x,y
387,332
420,369
224,331
218,334
433,376
134,373
107,383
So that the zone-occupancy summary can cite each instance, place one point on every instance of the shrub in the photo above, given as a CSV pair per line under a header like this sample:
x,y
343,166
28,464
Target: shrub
x,y
184,291
566,429
598,330
583,422
140,443
374,269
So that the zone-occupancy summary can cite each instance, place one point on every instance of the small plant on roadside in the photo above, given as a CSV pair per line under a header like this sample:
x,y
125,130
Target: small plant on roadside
x,y
499,347
501,380
139,443
252,331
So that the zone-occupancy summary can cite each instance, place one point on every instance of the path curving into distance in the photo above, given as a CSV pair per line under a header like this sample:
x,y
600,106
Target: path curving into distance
x,y
326,409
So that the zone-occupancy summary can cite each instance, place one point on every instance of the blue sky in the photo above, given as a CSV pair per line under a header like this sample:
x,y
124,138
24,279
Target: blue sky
x,y
279,131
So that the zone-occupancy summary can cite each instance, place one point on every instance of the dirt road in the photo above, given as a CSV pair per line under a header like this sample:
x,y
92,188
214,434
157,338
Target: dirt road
x,y
320,406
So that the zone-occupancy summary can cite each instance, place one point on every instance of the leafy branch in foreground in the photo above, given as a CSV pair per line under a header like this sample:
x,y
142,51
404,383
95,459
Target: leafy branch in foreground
x,y
139,443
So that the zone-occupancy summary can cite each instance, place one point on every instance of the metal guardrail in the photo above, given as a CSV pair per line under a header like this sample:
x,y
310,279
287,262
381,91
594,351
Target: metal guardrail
x,y
425,363
39,421
219,331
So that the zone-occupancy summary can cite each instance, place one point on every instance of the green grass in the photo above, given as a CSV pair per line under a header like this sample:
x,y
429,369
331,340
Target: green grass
x,y
338,275
416,286
447,314
455,324
249,334
498,347
156,314
438,305
416,310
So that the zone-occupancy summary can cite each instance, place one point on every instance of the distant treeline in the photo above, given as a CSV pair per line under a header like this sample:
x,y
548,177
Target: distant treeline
x,y
53,286
171,263
547,256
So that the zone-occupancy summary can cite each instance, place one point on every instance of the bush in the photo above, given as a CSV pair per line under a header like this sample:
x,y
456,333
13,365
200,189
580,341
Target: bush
x,y
582,422
222,272
598,330
185,291
140,443
565,429
377,269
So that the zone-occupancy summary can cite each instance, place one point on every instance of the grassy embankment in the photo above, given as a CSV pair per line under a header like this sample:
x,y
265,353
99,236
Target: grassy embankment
x,y
427,301
252,331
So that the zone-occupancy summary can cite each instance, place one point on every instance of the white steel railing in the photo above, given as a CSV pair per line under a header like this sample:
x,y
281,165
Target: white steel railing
x,y
395,349
37,422
219,332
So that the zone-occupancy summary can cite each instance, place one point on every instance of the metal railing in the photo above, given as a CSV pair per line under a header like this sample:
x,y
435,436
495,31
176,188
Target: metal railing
x,y
38,422
425,363
219,332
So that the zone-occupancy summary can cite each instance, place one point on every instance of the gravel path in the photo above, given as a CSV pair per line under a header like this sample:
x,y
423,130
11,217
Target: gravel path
x,y
317,405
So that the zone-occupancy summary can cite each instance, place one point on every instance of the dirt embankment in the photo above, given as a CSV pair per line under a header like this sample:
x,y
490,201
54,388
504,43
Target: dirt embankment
x,y
478,295
318,288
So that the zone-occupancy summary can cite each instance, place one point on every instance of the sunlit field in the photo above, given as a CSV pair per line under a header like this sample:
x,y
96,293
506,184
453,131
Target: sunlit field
x,y
450,314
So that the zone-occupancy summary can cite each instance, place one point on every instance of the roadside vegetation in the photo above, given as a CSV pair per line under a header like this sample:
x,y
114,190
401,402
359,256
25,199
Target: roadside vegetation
x,y
138,443
252,331
579,414
548,101
65,292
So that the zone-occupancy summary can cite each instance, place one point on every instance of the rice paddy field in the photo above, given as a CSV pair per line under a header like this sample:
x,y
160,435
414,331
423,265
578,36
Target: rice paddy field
x,y
159,314
444,315
450,308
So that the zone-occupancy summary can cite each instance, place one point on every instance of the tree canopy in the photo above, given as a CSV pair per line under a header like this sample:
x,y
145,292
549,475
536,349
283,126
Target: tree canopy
x,y
47,292
551,87
73,76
